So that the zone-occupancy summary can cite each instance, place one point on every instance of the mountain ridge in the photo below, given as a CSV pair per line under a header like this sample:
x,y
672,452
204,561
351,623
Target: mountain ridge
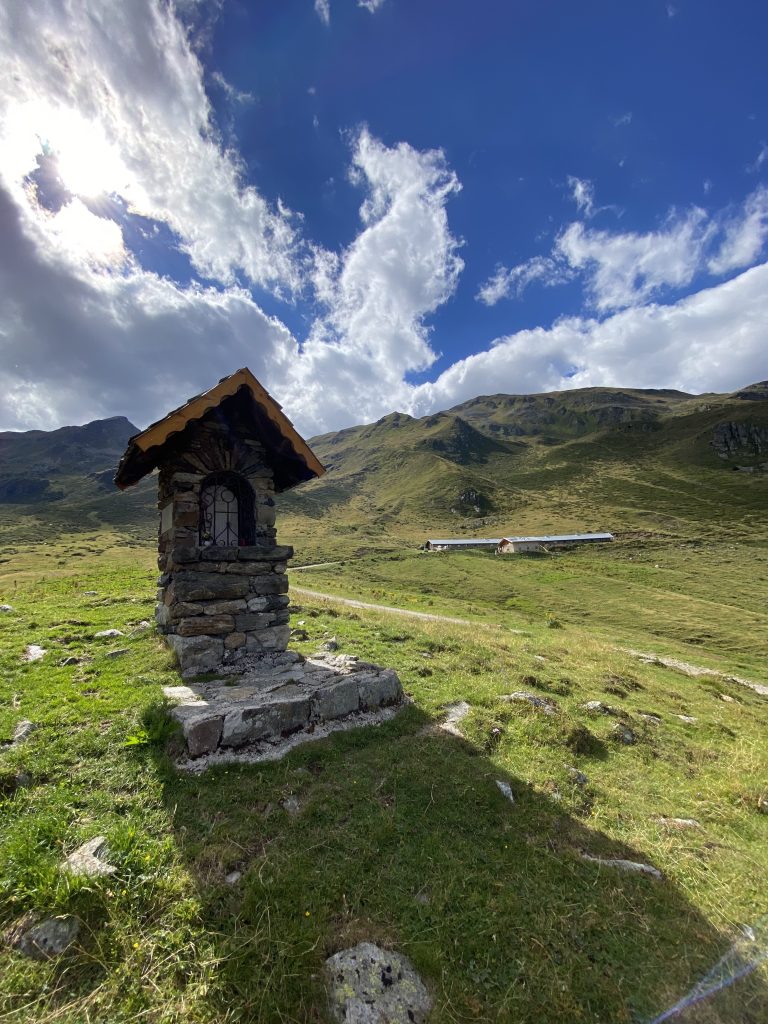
x,y
572,460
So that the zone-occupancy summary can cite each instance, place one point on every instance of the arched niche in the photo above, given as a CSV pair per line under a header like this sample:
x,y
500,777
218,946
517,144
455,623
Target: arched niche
x,y
227,512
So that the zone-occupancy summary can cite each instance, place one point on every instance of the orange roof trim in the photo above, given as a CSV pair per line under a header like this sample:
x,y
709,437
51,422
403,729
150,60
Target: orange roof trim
x,y
158,433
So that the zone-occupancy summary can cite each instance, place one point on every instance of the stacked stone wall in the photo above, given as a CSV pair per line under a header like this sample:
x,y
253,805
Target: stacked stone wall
x,y
219,606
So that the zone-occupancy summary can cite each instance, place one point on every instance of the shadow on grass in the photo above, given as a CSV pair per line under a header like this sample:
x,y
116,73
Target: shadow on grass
x,y
399,835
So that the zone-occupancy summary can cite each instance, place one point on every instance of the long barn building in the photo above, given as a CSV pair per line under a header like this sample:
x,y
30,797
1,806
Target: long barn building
x,y
515,545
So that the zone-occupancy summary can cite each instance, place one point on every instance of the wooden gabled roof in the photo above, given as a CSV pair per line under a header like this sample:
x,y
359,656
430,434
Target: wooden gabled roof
x,y
284,443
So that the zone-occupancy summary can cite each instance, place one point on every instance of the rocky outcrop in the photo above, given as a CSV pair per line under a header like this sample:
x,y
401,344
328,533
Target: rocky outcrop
x,y
740,440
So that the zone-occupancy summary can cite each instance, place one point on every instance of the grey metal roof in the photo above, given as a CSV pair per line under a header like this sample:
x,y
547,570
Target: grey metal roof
x,y
475,541
563,537
548,539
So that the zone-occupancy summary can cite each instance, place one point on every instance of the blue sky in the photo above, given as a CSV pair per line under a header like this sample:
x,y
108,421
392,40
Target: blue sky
x,y
377,205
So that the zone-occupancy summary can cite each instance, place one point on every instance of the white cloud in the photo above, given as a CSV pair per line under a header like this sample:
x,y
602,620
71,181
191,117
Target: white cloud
x,y
85,332
370,5
127,78
323,8
759,160
745,235
232,93
583,193
507,282
623,119
713,340
80,343
629,268
402,266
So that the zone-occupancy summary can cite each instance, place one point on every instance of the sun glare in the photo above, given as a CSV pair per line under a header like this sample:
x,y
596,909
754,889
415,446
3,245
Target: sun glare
x,y
88,165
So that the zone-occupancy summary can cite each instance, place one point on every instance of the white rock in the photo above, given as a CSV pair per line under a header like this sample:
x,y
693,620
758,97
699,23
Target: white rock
x,y
90,859
6,608
506,789
233,877
455,713
623,865
118,653
679,823
34,652
109,633
686,718
23,729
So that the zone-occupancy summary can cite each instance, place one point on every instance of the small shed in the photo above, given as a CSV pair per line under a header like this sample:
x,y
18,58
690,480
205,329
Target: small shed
x,y
520,545
221,457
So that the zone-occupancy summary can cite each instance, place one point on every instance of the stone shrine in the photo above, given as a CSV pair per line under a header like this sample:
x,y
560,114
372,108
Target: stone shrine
x,y
223,590
221,458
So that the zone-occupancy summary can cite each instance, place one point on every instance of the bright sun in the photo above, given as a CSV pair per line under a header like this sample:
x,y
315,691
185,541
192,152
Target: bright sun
x,y
87,163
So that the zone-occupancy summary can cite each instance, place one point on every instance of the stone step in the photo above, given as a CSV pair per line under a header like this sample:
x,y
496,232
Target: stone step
x,y
271,703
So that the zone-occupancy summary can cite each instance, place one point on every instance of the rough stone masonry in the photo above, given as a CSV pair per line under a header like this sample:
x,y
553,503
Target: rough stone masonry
x,y
218,604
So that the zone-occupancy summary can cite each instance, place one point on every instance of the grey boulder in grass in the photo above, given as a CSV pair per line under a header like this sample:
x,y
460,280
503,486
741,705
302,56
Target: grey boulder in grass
x,y
369,985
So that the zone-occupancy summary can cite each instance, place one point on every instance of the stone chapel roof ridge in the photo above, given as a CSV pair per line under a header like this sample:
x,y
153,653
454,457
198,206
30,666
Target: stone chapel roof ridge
x,y
138,459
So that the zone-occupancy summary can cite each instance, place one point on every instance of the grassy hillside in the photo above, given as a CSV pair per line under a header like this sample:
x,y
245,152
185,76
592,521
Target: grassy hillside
x,y
582,460
589,459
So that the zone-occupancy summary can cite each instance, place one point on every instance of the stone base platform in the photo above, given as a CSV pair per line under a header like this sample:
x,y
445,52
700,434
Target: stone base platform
x,y
281,695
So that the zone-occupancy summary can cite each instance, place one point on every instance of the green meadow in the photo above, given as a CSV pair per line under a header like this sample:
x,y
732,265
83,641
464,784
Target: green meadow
x,y
402,836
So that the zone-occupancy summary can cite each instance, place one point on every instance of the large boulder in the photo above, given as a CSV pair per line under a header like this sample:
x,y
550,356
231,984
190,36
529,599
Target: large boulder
x,y
369,985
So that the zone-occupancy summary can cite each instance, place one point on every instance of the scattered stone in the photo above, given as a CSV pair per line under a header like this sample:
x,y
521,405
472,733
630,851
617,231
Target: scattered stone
x,y
23,730
70,661
686,718
45,939
22,780
696,670
623,734
33,652
144,624
548,707
679,823
90,593
109,633
577,777
233,877
762,804
90,859
595,707
291,805
422,897
369,985
727,698
506,789
6,608
623,865
649,716
299,634
117,653
331,645
454,714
